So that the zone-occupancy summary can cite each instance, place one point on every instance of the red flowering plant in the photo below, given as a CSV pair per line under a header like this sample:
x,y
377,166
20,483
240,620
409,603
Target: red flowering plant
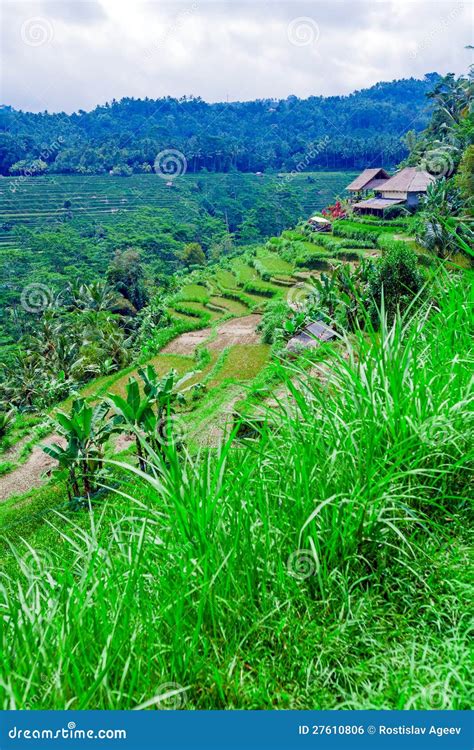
x,y
336,211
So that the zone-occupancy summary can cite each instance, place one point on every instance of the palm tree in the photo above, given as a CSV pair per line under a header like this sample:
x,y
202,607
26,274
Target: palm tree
x,y
98,295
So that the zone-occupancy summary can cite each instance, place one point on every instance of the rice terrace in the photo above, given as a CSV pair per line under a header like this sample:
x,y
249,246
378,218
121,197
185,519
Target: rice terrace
x,y
236,419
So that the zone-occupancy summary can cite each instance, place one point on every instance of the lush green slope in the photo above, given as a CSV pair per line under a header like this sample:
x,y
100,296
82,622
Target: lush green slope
x,y
338,529
323,566
237,286
57,230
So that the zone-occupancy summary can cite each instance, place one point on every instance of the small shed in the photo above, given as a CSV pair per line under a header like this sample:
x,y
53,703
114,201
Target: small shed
x,y
320,224
311,336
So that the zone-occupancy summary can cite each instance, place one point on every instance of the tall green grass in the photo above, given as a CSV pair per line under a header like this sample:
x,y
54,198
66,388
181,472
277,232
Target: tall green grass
x,y
322,565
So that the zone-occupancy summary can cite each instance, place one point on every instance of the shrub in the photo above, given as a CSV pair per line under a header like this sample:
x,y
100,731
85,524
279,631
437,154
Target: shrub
x,y
313,261
202,357
330,244
244,299
354,232
257,287
6,421
277,311
394,212
396,279
347,255
192,312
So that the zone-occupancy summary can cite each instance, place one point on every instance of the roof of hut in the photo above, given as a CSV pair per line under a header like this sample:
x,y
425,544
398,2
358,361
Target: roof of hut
x,y
366,177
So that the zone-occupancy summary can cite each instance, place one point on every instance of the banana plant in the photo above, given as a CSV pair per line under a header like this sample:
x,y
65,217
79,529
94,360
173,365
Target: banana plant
x,y
165,395
98,295
134,414
6,421
147,415
86,429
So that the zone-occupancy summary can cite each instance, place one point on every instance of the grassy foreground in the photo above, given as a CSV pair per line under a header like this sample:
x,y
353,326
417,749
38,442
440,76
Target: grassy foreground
x,y
321,566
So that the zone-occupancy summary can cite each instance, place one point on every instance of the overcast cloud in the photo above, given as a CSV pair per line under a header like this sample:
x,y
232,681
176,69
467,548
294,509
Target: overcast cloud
x,y
74,54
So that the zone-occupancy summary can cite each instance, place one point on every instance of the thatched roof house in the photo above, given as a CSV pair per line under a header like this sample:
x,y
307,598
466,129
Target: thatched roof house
x,y
404,187
376,205
369,179
408,180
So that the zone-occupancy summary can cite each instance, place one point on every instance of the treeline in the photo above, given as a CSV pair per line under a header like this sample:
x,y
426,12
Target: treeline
x,y
124,137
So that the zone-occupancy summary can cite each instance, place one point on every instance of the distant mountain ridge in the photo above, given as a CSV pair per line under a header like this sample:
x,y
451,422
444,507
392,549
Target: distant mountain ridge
x,y
123,137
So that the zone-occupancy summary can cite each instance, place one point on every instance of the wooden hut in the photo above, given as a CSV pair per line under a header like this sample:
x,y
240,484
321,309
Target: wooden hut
x,y
405,187
311,336
369,180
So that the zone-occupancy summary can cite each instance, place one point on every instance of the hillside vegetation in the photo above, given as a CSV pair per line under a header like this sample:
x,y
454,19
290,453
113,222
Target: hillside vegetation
x,y
199,511
53,230
336,132
328,535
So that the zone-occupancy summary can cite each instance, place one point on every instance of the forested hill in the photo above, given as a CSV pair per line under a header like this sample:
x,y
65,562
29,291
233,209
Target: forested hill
x,y
337,132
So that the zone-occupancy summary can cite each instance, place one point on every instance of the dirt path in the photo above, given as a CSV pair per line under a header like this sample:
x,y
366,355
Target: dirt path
x,y
234,331
30,473
187,342
237,331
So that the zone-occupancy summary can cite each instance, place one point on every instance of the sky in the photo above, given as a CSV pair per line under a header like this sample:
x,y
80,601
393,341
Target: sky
x,y
74,54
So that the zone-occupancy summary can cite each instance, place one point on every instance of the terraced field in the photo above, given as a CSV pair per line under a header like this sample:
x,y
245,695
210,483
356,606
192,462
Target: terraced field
x,y
221,350
42,201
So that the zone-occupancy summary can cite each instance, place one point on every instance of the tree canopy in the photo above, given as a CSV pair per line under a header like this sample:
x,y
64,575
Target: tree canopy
x,y
121,137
